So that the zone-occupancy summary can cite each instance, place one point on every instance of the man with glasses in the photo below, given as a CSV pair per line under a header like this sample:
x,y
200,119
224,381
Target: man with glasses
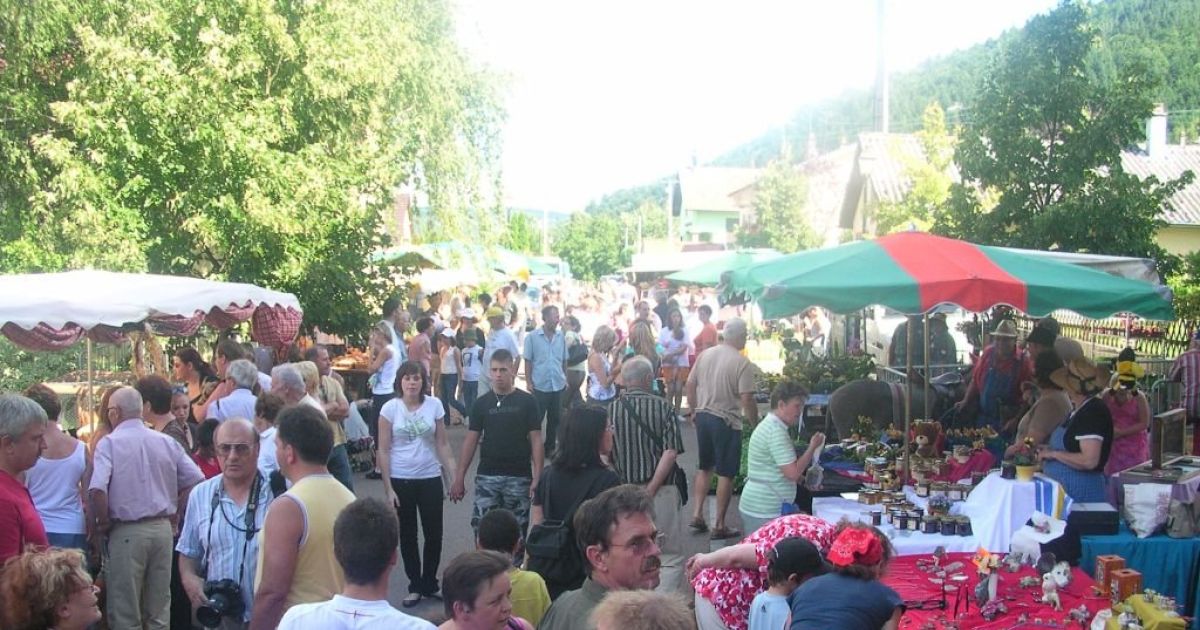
x,y
219,540
615,529
135,512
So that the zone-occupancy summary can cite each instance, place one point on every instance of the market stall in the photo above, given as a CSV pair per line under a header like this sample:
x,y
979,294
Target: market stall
x,y
54,311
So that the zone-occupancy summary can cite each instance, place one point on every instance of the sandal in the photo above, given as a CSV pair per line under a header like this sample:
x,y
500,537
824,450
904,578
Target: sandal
x,y
722,533
698,525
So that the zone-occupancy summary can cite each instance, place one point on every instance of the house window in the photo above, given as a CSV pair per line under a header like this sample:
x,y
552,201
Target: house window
x,y
731,225
706,237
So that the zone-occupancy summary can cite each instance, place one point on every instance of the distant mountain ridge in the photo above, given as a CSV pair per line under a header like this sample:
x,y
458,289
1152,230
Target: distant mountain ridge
x,y
1160,32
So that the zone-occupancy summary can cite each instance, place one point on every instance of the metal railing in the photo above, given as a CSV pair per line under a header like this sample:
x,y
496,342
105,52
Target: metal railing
x,y
896,375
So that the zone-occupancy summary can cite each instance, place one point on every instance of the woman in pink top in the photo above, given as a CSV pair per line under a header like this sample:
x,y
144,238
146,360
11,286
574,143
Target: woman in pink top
x,y
1130,416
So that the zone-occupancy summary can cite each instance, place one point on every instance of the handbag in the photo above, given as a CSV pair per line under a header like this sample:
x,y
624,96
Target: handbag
x,y
551,546
679,478
577,353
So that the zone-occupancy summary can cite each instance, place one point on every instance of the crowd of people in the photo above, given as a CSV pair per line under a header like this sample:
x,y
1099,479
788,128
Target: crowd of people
x,y
225,496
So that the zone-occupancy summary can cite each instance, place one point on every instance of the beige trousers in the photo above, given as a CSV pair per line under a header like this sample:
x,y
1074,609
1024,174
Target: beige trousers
x,y
138,575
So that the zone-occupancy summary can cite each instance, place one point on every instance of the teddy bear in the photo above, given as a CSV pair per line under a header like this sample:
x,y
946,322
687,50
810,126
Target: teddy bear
x,y
925,438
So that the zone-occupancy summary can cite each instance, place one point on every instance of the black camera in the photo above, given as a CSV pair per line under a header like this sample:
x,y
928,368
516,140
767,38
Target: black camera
x,y
224,600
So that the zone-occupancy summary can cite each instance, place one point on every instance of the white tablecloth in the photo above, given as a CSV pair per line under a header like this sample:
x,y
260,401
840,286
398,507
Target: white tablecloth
x,y
998,508
907,543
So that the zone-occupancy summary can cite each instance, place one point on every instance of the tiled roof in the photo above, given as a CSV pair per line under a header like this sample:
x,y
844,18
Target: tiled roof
x,y
1184,207
712,188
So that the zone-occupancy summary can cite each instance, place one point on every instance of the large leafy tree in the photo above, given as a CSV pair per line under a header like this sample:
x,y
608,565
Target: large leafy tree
x,y
522,233
1040,162
256,141
780,197
592,245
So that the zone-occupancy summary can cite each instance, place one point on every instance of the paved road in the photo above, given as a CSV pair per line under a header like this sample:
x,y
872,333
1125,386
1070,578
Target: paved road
x,y
458,537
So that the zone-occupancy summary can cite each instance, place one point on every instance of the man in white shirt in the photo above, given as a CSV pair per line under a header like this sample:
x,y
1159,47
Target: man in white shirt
x,y
265,411
365,538
499,337
241,376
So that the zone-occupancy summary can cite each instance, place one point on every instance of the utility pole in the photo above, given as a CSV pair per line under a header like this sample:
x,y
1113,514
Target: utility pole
x,y
881,78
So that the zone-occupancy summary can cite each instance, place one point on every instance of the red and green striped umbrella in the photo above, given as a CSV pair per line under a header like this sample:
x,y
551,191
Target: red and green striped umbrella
x,y
913,272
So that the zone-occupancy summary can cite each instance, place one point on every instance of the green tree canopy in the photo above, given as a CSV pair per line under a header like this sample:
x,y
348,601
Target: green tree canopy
x,y
780,197
929,175
250,141
522,234
592,245
1045,144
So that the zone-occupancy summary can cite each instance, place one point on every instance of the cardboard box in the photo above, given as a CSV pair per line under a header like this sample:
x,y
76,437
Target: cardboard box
x,y
1105,565
1122,583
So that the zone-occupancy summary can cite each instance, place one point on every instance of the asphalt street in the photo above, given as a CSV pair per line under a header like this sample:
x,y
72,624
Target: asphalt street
x,y
458,537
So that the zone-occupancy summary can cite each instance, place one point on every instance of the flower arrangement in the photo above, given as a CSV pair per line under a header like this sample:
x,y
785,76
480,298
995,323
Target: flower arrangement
x,y
939,504
1026,454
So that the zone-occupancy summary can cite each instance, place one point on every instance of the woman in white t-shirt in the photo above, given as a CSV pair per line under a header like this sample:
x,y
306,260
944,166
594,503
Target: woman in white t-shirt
x,y
451,367
676,347
413,452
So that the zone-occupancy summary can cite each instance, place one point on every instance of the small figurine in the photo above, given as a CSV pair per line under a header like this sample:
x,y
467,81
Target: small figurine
x,y
939,553
1028,582
1045,563
993,609
1062,574
985,590
1013,561
1050,592
1081,614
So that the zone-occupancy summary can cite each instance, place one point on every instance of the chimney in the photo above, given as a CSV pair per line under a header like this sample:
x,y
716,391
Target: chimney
x,y
1156,132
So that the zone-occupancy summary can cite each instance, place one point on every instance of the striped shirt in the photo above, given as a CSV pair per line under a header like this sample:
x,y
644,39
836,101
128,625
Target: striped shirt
x,y
216,536
1187,371
766,487
635,455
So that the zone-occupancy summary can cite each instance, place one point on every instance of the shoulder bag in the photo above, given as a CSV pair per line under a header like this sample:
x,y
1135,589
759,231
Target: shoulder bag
x,y
550,544
677,474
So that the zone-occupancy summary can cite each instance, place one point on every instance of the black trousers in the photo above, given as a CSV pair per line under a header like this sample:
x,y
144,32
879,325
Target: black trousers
x,y
550,403
423,498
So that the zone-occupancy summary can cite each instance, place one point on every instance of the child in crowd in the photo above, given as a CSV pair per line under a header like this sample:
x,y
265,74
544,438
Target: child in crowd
x,y
499,531
851,596
789,564
472,367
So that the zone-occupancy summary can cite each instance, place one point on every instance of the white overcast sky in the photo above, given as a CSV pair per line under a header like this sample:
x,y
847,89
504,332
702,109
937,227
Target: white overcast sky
x,y
604,95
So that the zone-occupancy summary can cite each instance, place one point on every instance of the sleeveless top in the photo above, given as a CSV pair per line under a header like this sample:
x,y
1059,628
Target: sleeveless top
x,y
54,486
318,575
385,378
595,390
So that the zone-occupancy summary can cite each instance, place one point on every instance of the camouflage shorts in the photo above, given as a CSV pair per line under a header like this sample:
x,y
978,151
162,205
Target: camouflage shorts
x,y
501,491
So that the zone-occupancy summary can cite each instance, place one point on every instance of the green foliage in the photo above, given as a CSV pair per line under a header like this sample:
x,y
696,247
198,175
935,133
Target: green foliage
x,y
248,141
21,368
1186,286
522,234
781,195
629,200
592,245
823,374
929,175
1046,141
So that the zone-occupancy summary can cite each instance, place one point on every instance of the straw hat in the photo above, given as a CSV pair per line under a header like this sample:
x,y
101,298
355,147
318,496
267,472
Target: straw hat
x,y
1081,377
1005,329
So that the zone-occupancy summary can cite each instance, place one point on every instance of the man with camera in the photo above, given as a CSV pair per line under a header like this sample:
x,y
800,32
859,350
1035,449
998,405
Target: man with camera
x,y
218,545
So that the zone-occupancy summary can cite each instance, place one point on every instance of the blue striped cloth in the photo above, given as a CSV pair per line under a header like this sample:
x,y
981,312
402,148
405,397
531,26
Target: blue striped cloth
x,y
1050,498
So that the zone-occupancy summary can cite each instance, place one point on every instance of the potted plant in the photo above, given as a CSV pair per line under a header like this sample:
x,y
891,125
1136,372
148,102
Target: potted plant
x,y
1026,460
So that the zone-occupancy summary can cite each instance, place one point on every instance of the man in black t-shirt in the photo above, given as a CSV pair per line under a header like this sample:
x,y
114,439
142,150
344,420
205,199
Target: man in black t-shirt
x,y
509,424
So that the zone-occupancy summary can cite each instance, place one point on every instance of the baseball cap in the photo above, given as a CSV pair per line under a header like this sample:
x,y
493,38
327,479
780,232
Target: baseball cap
x,y
797,555
466,313
448,332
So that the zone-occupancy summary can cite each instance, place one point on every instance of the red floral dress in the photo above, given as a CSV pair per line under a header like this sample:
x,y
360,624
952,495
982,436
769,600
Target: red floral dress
x,y
732,590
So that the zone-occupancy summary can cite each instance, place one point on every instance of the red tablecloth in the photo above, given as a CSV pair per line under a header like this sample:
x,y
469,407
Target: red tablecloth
x,y
913,585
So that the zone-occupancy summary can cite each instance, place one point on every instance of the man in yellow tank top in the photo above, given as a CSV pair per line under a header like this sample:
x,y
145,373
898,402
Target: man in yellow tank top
x,y
296,562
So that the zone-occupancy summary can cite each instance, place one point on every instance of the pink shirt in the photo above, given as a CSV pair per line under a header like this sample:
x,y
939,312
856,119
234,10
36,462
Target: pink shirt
x,y
20,524
154,469
420,350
